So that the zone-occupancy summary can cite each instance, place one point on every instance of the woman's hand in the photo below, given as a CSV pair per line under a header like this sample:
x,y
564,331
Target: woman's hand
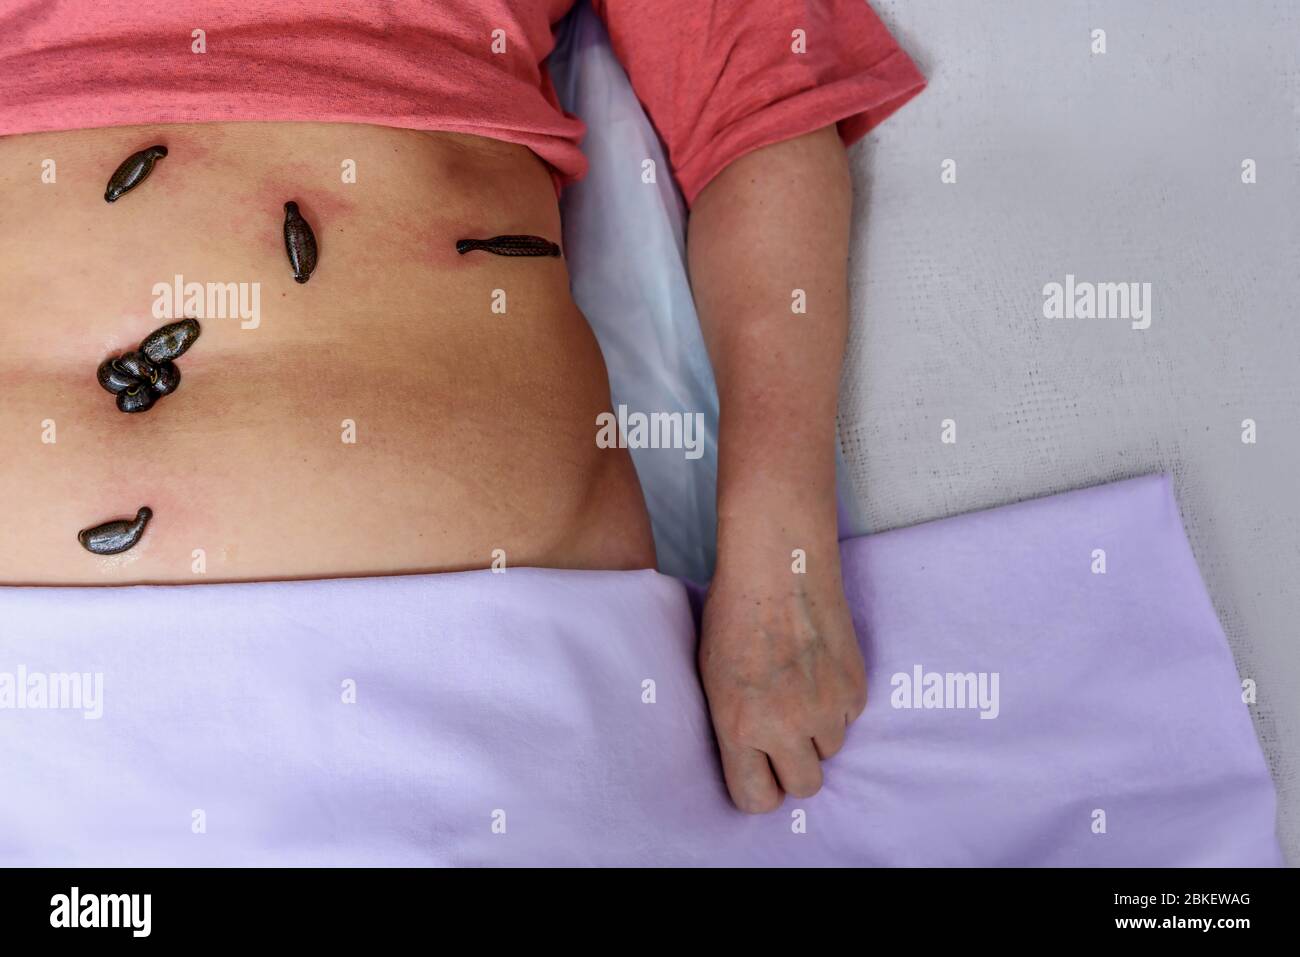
x,y
781,668
768,247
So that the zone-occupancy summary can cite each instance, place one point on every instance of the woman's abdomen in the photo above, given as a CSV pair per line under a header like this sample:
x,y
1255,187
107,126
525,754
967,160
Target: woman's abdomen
x,y
406,409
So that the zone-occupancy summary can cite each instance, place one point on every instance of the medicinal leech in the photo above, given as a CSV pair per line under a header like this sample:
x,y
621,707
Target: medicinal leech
x,y
135,169
116,536
510,246
299,243
140,378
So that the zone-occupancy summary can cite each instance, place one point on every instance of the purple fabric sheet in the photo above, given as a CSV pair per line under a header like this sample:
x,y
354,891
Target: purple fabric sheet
x,y
504,719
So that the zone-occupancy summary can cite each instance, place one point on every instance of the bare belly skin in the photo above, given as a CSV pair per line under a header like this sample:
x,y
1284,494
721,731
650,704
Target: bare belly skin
x,y
379,419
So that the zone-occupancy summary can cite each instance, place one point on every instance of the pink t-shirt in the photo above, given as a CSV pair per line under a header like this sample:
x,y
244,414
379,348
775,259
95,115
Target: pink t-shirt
x,y
718,78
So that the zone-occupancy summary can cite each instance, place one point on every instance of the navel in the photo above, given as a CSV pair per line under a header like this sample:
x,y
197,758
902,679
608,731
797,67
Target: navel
x,y
141,377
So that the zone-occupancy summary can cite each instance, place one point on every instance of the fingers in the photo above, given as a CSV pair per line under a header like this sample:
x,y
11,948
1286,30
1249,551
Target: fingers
x,y
798,768
857,703
830,739
758,780
749,778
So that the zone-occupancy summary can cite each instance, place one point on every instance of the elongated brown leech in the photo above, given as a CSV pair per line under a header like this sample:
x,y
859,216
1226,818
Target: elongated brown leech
x,y
510,246
116,536
140,378
299,243
133,171
171,341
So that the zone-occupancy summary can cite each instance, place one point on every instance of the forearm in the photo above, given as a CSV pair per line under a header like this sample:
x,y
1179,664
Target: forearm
x,y
775,222
779,660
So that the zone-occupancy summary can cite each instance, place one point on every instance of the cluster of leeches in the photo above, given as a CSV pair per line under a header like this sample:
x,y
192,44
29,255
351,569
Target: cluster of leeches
x,y
141,377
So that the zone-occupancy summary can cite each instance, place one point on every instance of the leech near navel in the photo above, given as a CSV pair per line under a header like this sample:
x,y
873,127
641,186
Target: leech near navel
x,y
171,341
132,172
510,246
116,536
141,377
299,243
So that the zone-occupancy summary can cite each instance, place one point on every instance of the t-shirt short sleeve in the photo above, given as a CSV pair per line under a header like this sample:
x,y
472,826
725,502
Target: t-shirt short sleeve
x,y
720,78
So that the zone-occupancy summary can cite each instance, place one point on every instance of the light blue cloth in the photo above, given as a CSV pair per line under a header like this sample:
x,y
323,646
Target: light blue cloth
x,y
625,242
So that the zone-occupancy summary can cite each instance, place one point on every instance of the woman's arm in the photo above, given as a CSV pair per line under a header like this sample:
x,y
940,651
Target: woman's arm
x,y
778,656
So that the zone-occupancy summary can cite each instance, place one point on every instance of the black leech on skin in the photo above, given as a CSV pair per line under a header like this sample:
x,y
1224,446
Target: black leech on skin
x,y
116,536
132,172
140,378
171,341
510,246
299,243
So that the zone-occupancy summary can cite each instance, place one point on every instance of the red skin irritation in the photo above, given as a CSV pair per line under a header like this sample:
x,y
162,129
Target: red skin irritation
x,y
438,245
263,215
421,238
164,178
